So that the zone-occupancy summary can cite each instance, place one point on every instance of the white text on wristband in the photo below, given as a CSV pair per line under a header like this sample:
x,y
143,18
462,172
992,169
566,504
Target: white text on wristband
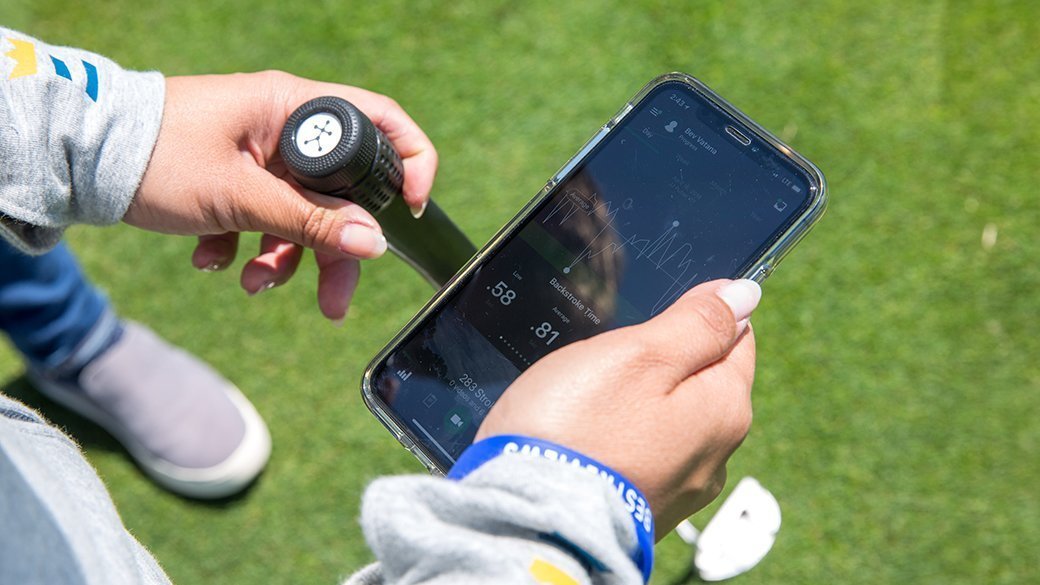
x,y
634,501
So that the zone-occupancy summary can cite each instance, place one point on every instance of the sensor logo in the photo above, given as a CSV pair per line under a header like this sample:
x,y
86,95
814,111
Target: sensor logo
x,y
318,135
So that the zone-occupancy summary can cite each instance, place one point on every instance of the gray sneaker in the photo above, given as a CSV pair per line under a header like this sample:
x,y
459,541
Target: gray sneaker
x,y
188,427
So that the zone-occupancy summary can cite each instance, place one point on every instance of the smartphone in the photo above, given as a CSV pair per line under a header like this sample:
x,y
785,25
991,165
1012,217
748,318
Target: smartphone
x,y
678,188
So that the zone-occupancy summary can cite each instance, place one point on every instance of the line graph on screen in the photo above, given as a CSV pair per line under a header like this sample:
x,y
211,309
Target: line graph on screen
x,y
666,252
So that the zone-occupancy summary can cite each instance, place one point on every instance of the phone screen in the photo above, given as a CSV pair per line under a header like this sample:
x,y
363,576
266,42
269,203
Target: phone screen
x,y
668,199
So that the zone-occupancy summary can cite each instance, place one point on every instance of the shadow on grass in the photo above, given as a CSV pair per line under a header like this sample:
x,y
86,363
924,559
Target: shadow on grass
x,y
91,436
690,576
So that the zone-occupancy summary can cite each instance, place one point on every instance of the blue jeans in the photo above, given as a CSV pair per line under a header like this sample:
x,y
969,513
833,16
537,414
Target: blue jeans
x,y
55,318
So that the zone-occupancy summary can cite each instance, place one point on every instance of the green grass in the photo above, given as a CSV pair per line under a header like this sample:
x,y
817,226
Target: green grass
x,y
898,384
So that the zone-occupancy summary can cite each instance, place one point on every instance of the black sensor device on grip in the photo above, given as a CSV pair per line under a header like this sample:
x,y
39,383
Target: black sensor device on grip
x,y
331,147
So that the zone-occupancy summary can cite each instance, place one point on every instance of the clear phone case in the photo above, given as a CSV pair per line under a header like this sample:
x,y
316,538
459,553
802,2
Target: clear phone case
x,y
759,271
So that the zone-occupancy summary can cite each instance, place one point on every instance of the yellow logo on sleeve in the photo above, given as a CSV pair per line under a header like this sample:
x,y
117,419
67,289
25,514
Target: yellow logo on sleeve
x,y
546,573
24,55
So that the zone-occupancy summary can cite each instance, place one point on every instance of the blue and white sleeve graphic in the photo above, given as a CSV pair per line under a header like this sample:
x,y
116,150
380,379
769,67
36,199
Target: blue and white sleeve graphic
x,y
76,134
23,54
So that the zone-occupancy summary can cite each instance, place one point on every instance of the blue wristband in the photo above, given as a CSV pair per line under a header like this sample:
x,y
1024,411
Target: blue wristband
x,y
637,506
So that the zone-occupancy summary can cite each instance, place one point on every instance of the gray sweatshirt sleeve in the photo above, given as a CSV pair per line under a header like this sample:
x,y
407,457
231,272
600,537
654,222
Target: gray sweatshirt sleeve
x,y
76,133
513,520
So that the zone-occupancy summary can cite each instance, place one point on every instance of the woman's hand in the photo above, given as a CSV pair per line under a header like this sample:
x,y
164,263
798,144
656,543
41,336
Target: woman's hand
x,y
216,171
665,403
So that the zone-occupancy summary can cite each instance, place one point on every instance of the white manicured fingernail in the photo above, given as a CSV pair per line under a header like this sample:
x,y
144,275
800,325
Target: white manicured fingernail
x,y
742,297
418,212
362,241
338,323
